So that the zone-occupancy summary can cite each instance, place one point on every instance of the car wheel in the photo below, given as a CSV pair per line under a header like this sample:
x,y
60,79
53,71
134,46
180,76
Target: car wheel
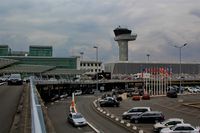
x,y
136,121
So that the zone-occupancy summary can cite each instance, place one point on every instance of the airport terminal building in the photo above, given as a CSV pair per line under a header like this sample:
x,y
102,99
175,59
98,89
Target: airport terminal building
x,y
138,67
39,61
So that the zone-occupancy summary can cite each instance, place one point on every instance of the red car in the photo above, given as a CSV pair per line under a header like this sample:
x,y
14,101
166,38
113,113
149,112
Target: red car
x,y
146,97
136,97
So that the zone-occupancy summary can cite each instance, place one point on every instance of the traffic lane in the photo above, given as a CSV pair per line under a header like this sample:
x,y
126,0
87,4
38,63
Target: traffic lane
x,y
171,107
9,99
58,112
84,105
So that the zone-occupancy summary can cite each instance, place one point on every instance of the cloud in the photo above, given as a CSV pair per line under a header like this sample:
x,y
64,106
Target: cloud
x,y
71,26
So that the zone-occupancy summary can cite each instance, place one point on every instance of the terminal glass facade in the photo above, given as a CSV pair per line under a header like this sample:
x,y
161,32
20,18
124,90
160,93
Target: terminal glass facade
x,y
4,50
40,50
68,63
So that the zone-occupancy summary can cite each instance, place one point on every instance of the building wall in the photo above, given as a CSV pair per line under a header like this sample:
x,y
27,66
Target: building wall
x,y
69,63
4,50
132,68
40,51
91,66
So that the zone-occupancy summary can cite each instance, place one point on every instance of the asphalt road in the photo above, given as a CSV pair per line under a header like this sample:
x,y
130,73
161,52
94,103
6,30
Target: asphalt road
x,y
58,112
84,105
171,108
9,98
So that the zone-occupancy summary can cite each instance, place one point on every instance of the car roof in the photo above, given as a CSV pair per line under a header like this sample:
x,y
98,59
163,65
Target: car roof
x,y
140,108
174,119
152,112
75,113
183,124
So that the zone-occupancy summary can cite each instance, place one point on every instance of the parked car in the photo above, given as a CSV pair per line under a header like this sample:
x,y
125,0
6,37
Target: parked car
x,y
64,95
77,92
88,91
148,117
172,94
4,78
15,79
189,89
76,119
136,97
55,97
167,123
145,96
135,111
109,102
180,128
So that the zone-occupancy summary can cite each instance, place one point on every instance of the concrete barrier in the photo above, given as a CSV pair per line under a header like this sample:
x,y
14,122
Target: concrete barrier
x,y
129,126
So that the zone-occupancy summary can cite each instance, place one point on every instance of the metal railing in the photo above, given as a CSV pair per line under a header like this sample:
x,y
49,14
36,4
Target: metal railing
x,y
37,119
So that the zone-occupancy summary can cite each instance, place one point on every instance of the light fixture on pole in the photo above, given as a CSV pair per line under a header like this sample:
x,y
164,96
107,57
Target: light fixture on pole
x,y
180,77
148,55
147,71
81,53
97,66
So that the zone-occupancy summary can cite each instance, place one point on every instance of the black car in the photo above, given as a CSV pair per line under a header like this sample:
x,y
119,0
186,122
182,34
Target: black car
x,y
148,117
172,94
109,102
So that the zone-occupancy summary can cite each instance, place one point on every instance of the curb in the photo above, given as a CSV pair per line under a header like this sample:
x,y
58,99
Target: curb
x,y
128,126
48,123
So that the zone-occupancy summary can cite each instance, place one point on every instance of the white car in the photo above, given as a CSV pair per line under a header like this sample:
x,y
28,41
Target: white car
x,y
135,111
180,128
77,92
167,123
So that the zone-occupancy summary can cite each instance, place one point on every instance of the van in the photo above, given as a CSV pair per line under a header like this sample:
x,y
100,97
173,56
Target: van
x,y
15,79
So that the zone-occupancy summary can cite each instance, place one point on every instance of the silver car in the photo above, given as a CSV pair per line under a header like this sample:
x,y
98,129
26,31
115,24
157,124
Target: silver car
x,y
76,119
135,111
167,123
180,128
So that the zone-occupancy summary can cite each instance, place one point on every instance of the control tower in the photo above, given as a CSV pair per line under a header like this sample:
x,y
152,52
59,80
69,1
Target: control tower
x,y
122,36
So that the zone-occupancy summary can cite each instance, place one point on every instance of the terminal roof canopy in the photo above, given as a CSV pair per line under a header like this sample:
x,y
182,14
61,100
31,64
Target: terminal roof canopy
x,y
26,69
59,71
6,62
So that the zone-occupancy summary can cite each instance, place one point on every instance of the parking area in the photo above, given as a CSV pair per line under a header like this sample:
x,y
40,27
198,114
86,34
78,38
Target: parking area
x,y
171,108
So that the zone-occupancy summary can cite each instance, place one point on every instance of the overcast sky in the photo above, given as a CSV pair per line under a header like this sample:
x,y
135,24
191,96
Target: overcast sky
x,y
74,26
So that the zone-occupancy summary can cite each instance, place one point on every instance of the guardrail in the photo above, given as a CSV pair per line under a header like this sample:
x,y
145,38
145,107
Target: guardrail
x,y
37,119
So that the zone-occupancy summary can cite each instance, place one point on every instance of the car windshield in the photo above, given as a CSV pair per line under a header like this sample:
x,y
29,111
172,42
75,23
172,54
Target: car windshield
x,y
164,122
77,116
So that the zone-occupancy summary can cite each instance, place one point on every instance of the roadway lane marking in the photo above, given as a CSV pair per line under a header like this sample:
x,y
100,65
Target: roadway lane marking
x,y
79,128
96,130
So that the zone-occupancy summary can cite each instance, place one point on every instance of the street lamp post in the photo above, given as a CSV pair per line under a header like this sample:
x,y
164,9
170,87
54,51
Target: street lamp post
x,y
81,53
148,55
148,85
97,66
180,78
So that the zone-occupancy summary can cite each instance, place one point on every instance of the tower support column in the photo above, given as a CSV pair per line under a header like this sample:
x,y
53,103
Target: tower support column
x,y
123,50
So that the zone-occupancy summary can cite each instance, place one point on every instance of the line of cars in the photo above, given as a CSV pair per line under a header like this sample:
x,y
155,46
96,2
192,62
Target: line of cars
x,y
189,89
14,79
162,125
